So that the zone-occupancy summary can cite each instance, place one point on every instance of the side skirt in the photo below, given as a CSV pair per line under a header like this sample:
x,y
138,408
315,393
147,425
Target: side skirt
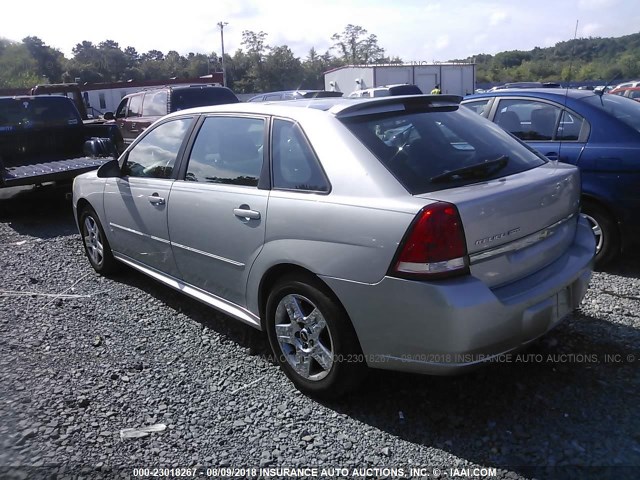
x,y
207,298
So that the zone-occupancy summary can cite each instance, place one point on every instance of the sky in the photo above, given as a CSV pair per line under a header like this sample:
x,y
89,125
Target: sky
x,y
416,31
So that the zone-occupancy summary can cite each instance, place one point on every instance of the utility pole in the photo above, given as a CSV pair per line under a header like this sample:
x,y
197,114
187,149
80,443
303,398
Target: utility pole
x,y
224,72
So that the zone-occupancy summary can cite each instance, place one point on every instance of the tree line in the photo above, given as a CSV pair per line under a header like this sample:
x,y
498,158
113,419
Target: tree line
x,y
255,67
584,59
258,67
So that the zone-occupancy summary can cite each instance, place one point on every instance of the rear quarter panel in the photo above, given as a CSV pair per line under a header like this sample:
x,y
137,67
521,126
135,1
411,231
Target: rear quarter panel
x,y
352,232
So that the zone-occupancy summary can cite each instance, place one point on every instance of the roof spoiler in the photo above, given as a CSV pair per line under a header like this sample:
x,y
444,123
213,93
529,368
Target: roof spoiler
x,y
393,103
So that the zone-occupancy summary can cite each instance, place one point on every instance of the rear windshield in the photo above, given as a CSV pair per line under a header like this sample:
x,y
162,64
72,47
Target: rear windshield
x,y
200,97
405,90
420,147
624,109
321,94
34,112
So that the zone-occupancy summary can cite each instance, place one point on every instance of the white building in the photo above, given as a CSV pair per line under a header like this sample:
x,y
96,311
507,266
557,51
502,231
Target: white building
x,y
453,78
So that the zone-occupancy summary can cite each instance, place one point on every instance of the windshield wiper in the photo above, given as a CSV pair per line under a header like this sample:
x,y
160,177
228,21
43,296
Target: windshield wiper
x,y
480,170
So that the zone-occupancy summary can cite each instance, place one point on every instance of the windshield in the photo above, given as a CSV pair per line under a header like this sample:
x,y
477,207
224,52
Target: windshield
x,y
624,109
421,147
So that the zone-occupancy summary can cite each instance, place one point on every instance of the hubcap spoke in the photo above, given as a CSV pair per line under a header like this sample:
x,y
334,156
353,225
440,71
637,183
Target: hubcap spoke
x,y
302,364
293,309
323,356
286,333
316,320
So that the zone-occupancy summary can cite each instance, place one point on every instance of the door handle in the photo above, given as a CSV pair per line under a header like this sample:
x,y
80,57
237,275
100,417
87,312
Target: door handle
x,y
155,199
243,211
551,155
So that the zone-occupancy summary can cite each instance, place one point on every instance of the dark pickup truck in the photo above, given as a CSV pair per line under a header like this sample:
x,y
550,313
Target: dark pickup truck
x,y
44,139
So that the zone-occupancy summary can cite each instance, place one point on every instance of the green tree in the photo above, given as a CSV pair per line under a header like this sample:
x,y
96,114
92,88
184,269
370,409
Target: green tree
x,y
356,47
282,70
86,64
254,79
314,67
50,62
17,67
113,61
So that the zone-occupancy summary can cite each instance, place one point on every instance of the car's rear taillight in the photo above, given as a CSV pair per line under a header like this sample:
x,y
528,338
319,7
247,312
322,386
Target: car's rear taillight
x,y
434,246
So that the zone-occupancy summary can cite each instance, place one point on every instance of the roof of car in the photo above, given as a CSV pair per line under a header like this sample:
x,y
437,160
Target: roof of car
x,y
301,92
179,87
338,106
536,92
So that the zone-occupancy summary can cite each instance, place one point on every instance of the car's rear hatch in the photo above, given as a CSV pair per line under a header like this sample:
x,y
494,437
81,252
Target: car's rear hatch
x,y
518,210
518,224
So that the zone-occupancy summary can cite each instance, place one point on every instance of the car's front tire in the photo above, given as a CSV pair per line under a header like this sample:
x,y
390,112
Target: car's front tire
x,y
95,242
312,338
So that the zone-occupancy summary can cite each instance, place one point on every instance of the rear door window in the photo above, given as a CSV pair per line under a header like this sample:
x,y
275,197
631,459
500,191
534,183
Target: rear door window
x,y
424,148
295,165
227,150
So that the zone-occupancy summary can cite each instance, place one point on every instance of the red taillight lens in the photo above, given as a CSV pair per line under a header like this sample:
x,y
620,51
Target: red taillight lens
x,y
434,246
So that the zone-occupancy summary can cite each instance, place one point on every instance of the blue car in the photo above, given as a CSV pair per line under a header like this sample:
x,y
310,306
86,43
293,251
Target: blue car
x,y
600,133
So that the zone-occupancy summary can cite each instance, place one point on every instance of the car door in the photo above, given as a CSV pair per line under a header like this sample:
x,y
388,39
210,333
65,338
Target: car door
x,y
557,133
217,212
136,203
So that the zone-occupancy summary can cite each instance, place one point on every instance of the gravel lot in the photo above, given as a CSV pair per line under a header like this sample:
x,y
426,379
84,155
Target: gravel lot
x,y
83,357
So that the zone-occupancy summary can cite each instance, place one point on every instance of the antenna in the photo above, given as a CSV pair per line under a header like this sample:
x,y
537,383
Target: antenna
x,y
573,53
566,92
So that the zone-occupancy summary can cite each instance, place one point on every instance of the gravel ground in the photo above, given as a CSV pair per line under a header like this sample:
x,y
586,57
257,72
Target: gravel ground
x,y
83,357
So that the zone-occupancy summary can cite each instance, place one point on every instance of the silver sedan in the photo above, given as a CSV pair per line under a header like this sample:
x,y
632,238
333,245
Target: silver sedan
x,y
401,233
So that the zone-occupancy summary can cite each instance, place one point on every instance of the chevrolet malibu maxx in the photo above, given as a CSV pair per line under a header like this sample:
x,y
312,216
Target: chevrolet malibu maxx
x,y
401,233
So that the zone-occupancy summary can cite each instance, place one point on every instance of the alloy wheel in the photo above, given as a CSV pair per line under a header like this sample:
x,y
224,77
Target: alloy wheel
x,y
304,337
597,231
93,241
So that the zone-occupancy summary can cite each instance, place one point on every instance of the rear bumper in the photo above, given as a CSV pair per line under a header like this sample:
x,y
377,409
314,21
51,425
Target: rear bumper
x,y
449,326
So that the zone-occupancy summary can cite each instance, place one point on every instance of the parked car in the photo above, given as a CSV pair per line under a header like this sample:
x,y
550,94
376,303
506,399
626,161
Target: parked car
x,y
598,133
387,90
525,85
629,92
293,95
137,111
633,83
401,233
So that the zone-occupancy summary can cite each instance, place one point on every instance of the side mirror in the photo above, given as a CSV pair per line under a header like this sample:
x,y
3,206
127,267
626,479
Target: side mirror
x,y
111,169
108,116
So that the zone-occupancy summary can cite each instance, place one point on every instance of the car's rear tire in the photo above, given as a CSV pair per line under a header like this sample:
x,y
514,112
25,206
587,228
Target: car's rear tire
x,y
96,245
606,232
312,338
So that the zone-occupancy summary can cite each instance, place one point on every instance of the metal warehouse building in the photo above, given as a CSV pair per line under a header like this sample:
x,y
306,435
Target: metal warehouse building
x,y
453,78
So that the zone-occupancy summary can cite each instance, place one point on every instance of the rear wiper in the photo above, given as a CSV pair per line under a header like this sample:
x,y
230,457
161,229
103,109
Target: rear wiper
x,y
480,170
